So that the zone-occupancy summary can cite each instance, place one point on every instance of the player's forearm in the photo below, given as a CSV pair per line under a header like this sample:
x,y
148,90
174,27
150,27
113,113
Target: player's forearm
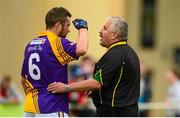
x,y
86,85
82,42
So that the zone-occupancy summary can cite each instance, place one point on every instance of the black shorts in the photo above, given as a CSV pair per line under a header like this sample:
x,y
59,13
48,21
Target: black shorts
x,y
108,111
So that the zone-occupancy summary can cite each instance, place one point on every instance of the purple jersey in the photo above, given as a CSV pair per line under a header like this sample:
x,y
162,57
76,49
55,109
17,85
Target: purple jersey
x,y
45,61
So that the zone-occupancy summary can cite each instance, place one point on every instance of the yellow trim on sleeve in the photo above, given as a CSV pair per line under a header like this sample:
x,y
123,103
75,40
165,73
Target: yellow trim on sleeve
x,y
116,87
101,76
31,100
66,57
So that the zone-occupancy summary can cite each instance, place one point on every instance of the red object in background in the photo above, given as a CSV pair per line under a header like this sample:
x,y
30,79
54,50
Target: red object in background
x,y
3,93
76,96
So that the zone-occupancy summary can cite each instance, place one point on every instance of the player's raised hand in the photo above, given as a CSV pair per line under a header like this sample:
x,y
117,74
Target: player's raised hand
x,y
80,23
57,87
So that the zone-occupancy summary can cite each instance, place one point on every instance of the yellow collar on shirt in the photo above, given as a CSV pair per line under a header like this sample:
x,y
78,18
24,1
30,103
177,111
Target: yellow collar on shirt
x,y
118,43
45,33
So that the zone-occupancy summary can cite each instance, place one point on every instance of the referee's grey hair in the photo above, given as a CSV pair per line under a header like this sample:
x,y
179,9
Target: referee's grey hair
x,y
120,26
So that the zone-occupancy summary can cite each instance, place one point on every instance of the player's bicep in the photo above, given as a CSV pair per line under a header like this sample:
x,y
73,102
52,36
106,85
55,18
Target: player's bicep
x,y
69,50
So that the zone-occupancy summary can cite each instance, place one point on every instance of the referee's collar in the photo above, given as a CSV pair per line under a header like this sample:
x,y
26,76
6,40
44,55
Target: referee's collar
x,y
118,43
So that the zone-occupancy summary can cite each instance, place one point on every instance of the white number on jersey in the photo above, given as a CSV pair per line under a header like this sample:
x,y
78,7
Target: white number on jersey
x,y
34,67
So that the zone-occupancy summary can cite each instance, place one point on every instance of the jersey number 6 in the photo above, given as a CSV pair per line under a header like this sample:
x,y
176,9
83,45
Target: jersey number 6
x,y
33,67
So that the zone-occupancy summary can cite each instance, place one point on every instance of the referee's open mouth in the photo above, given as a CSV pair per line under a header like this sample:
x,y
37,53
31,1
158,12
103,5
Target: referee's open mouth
x,y
100,35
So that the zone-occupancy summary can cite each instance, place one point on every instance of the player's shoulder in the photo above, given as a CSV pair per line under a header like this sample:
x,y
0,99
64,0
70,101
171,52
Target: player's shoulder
x,y
66,41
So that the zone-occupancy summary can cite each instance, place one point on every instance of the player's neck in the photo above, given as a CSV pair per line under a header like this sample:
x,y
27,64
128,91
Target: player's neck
x,y
53,31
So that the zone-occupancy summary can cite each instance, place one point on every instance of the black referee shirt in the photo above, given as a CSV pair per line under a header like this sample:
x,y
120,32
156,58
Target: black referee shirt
x,y
118,71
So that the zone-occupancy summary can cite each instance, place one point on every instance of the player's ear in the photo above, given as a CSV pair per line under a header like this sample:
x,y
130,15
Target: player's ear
x,y
58,26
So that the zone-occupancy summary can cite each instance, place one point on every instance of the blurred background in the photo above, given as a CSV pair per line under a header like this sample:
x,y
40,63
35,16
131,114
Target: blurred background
x,y
154,33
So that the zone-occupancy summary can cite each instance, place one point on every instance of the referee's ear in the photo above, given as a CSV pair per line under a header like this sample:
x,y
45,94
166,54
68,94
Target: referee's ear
x,y
115,35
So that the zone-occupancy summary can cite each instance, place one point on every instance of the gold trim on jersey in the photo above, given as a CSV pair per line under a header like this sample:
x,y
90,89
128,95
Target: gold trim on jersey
x,y
31,101
114,92
118,43
57,48
66,57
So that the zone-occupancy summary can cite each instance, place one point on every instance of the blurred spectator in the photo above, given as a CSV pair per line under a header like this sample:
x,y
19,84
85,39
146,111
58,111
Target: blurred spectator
x,y
87,65
80,105
76,71
8,95
145,88
173,97
76,74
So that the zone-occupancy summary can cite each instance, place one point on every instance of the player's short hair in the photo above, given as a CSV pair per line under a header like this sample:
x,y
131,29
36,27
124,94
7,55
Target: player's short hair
x,y
56,14
120,26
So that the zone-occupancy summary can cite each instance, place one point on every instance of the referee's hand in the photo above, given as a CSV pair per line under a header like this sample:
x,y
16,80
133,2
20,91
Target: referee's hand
x,y
57,87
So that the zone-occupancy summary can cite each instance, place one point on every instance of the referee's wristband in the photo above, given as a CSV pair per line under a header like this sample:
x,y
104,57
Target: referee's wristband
x,y
67,88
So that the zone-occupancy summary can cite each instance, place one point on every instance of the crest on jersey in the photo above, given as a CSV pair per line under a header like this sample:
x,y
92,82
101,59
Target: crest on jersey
x,y
38,41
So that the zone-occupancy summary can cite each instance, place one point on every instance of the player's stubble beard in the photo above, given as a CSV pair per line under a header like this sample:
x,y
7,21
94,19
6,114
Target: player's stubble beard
x,y
61,33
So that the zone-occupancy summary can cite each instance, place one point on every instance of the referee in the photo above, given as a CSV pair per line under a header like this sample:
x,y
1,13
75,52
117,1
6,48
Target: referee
x,y
116,79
